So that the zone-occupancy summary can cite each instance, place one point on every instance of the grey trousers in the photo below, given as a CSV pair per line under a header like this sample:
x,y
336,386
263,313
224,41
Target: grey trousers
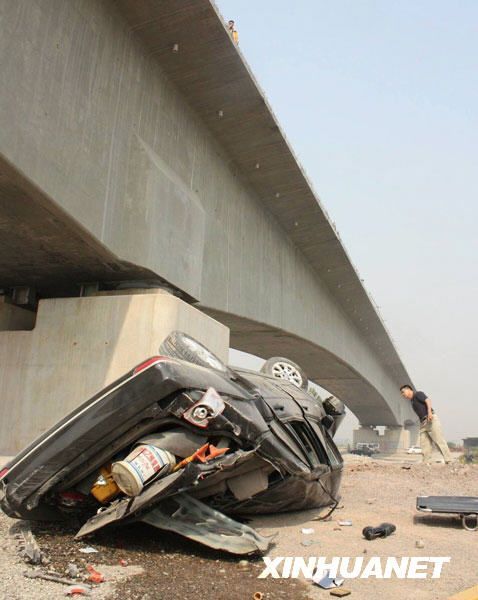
x,y
430,435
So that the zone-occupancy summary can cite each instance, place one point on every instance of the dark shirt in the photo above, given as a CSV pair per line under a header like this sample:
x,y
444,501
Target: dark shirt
x,y
419,405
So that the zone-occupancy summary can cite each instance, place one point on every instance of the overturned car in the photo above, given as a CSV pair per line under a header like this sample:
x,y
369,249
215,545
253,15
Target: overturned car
x,y
183,442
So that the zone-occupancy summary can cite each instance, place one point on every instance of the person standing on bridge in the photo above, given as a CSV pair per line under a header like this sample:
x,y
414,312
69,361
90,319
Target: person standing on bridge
x,y
232,31
430,427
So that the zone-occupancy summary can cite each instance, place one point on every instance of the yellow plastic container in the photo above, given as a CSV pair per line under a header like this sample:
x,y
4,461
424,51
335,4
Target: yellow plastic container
x,y
105,489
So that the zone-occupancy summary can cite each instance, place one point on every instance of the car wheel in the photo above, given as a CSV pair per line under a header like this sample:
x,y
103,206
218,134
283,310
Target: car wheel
x,y
283,368
183,346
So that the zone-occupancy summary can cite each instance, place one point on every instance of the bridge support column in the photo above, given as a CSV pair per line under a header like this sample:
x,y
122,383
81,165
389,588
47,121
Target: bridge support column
x,y
392,440
80,345
15,318
365,434
414,433
395,439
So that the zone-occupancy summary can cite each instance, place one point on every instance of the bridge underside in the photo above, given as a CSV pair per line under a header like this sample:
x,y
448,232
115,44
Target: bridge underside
x,y
43,247
321,366
137,148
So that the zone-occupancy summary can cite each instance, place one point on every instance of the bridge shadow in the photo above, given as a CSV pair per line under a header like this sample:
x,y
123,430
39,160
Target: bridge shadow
x,y
289,519
442,521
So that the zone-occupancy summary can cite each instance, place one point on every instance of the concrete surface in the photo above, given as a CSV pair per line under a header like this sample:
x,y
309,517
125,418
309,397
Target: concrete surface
x,y
15,318
80,345
392,439
15,586
115,165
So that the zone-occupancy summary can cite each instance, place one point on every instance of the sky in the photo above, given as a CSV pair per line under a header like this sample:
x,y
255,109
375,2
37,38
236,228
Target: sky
x,y
379,99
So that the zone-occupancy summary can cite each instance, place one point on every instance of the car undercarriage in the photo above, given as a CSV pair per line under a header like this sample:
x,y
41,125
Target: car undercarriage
x,y
183,443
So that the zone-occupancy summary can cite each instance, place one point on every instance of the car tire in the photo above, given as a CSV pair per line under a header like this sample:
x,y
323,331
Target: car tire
x,y
283,368
183,346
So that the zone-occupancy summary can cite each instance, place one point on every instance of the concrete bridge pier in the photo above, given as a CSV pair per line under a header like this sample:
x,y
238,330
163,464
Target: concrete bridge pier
x,y
393,439
72,348
414,433
365,434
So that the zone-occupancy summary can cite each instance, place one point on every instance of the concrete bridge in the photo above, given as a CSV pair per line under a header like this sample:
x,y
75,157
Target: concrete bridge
x,y
137,150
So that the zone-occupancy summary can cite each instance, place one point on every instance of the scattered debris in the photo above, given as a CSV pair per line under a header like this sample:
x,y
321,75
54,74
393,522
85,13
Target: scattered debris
x,y
325,581
28,548
337,528
95,576
307,530
77,590
72,570
371,500
88,550
382,531
419,544
340,592
309,542
345,523
243,565
48,577
123,562
258,596
407,467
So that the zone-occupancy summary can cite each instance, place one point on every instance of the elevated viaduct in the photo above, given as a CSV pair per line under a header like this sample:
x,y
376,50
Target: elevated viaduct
x,y
138,151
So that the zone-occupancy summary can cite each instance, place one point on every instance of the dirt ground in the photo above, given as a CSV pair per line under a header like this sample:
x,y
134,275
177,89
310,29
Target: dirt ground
x,y
374,491
162,566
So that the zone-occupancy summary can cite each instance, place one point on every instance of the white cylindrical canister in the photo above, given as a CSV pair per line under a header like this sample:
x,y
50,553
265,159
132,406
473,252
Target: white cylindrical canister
x,y
144,463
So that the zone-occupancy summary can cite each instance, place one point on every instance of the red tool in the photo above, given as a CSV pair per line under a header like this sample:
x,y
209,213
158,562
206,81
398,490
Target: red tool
x,y
203,454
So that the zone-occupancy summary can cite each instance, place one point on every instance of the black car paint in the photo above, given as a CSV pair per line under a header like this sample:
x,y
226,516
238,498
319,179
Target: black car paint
x,y
269,422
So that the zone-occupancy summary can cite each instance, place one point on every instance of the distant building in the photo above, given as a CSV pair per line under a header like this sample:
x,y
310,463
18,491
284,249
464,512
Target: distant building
x,y
470,443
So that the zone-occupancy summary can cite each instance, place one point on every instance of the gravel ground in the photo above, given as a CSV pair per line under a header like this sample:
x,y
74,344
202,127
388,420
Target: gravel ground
x,y
15,586
374,491
163,566
173,567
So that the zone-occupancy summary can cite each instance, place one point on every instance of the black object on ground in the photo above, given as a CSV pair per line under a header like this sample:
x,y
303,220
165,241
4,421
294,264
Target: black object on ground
x,y
383,530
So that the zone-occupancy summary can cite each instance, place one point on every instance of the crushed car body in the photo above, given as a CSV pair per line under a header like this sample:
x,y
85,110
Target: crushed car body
x,y
183,443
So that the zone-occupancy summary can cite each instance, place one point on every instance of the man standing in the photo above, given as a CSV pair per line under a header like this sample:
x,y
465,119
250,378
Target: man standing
x,y
430,428
231,27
